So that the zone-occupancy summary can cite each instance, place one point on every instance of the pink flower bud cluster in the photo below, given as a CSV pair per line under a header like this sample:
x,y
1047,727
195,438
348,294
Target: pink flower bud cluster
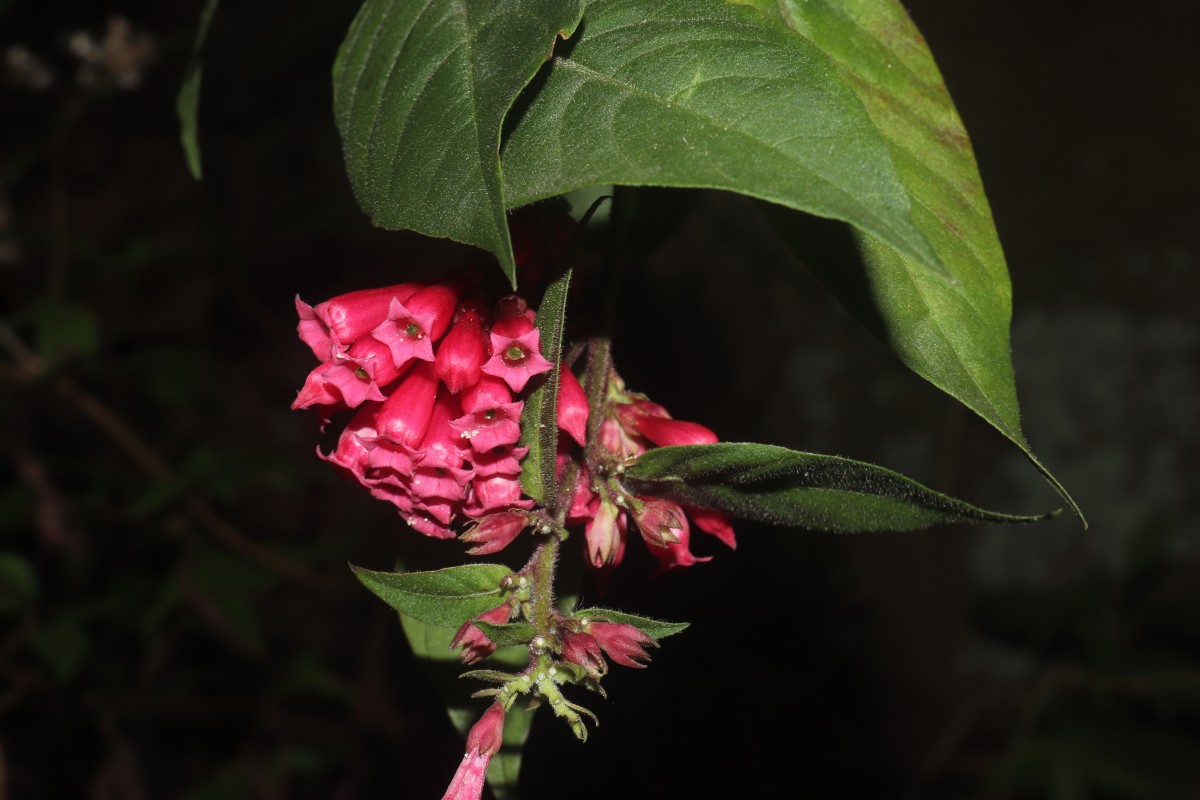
x,y
632,426
433,374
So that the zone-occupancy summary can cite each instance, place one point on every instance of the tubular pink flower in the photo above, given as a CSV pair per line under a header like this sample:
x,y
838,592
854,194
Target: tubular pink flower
x,y
675,556
572,406
352,453
516,359
664,432
404,417
615,439
475,644
412,327
334,325
495,427
624,644
496,492
461,354
483,742
493,533
714,523
442,445
488,393
499,461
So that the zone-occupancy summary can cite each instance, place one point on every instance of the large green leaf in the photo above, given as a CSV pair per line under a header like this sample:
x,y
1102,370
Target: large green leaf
x,y
539,419
698,93
785,487
952,333
446,597
432,645
420,92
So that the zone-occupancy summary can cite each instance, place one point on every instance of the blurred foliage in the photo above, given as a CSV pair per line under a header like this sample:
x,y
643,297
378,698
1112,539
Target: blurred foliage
x,y
1113,706
176,615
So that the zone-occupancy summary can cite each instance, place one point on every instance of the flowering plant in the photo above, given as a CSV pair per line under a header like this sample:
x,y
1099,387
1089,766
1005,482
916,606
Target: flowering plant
x,y
486,410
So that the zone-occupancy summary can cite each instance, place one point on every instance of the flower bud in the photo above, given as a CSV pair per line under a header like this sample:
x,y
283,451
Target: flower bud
x,y
475,644
462,353
405,415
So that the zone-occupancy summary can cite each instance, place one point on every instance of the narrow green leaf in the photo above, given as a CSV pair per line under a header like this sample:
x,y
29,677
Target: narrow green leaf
x,y
539,419
445,598
432,645
187,102
509,634
952,333
655,629
785,487
698,93
421,90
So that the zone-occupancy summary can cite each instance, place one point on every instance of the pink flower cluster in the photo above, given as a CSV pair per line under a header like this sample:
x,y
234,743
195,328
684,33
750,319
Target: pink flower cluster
x,y
633,425
433,373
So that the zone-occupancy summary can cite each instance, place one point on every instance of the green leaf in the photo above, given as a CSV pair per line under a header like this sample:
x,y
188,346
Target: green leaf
x,y
446,597
421,90
509,634
785,487
539,419
697,93
18,583
432,645
952,333
655,629
187,102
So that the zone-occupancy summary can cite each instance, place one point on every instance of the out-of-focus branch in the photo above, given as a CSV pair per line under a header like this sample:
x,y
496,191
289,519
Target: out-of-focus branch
x,y
150,463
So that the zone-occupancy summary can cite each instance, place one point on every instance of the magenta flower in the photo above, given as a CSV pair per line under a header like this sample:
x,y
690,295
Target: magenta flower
x,y
584,650
461,354
516,358
334,325
412,327
493,533
404,417
572,406
474,642
624,644
483,742
495,427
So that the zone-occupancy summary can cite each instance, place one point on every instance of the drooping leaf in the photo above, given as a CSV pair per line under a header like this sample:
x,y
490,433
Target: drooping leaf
x,y
539,419
785,487
445,598
654,628
954,333
432,645
509,634
698,93
421,90
187,102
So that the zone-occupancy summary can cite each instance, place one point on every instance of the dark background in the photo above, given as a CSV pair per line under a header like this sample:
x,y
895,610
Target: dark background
x,y
176,619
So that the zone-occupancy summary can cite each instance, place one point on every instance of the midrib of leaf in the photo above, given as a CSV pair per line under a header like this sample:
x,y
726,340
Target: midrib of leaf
x,y
774,147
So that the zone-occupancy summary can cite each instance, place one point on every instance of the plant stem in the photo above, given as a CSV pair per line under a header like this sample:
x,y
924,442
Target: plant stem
x,y
541,577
